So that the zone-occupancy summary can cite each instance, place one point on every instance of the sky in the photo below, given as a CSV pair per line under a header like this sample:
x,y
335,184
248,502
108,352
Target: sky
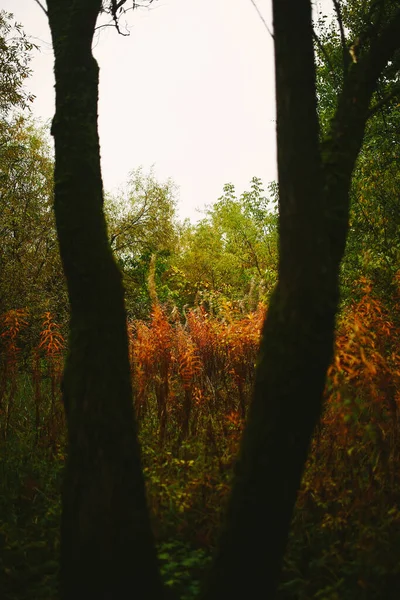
x,y
190,92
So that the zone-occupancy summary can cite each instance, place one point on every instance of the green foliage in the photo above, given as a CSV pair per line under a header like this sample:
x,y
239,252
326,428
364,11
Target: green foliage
x,y
373,242
233,250
30,269
182,568
142,218
335,57
15,54
142,222
30,510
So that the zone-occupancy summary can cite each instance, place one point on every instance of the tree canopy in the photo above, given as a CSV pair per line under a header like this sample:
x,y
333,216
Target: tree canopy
x,y
15,52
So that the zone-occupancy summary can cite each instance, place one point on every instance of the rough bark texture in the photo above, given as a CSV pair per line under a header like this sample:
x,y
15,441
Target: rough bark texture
x,y
106,542
297,343
297,337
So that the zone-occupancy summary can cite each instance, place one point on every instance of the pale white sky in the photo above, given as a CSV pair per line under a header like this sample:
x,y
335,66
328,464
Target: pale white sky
x,y
191,90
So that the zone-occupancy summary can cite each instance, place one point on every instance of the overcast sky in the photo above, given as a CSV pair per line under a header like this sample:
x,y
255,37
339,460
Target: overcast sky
x,y
190,91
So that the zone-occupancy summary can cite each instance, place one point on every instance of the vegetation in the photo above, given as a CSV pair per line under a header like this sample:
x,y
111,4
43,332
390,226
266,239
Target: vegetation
x,y
200,302
189,405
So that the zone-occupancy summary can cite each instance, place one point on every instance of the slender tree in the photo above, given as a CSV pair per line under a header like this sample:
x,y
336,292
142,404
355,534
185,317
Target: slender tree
x,y
106,542
107,547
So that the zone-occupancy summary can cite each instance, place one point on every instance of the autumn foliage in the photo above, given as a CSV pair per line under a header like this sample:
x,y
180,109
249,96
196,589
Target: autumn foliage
x,y
193,374
192,377
187,368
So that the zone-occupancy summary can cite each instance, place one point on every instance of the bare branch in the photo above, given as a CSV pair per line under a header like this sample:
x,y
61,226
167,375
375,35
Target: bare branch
x,y
115,6
41,6
262,18
110,24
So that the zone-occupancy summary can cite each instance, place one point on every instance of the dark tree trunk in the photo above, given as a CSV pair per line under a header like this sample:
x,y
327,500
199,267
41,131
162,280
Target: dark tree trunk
x,y
107,546
297,341
297,337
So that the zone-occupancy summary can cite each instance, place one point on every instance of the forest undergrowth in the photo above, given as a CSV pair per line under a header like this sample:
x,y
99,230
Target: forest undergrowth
x,y
192,377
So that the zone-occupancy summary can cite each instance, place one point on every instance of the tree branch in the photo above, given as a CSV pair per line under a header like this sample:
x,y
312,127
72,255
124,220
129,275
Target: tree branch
x,y
115,6
325,55
382,49
345,52
262,18
41,6
394,93
341,146
371,32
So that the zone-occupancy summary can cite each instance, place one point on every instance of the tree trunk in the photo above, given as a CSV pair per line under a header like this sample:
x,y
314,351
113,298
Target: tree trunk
x,y
107,546
297,340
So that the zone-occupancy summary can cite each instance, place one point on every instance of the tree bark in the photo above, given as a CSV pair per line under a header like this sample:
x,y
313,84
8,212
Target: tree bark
x,y
107,547
297,340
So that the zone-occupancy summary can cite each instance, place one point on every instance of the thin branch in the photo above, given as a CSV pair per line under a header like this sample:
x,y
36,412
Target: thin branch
x,y
394,93
262,18
326,57
111,24
323,51
114,8
338,10
41,6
